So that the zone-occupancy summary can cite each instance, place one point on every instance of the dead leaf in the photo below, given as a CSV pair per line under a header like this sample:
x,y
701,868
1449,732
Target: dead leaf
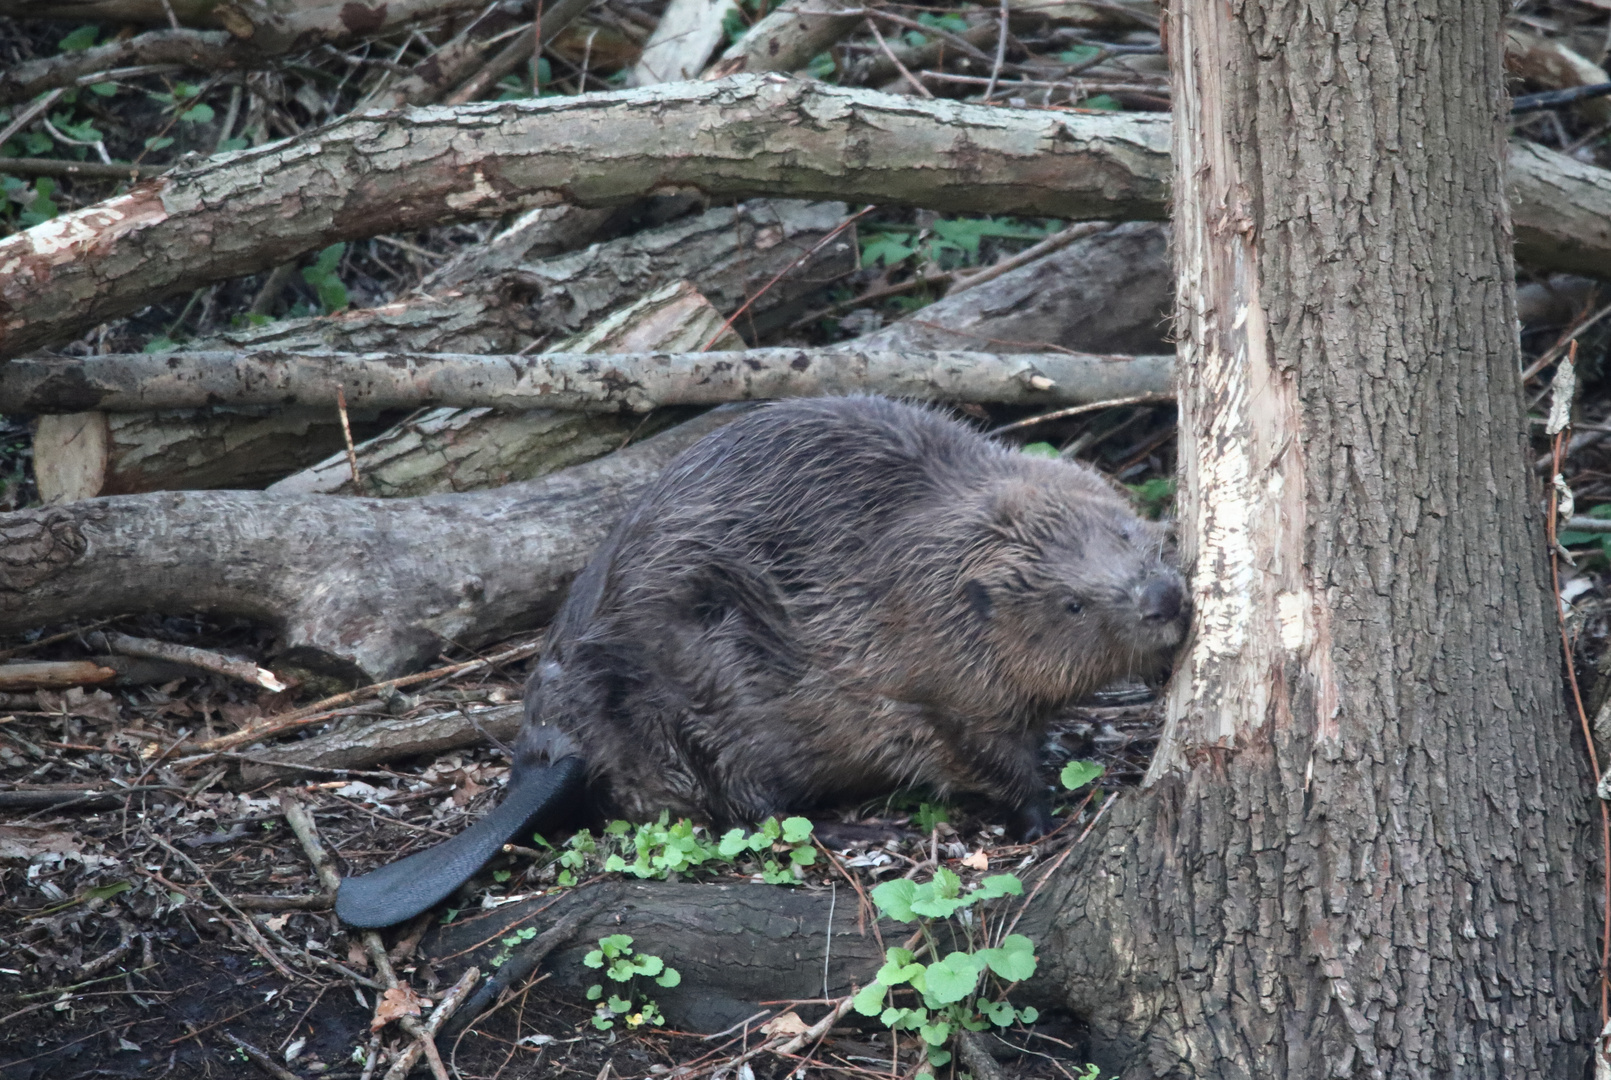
x,y
465,789
98,705
787,1024
977,861
396,1002
357,956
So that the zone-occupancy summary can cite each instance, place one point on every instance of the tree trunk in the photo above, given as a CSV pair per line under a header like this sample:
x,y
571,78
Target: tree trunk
x,y
1362,850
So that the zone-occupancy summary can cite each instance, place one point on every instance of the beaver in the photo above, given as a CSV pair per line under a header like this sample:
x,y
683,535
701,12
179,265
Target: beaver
x,y
825,600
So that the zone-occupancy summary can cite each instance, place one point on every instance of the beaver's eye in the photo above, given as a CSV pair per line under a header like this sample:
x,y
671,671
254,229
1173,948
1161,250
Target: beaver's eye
x,y
1074,607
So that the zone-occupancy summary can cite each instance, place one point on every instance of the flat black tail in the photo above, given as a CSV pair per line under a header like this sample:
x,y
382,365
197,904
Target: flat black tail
x,y
403,889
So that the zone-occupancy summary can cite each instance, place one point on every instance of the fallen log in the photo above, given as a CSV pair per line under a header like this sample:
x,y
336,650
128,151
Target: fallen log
x,y
728,253
361,589
469,449
619,382
739,137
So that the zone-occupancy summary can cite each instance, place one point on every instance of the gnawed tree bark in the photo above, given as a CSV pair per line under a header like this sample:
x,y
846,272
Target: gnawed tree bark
x,y
358,588
615,382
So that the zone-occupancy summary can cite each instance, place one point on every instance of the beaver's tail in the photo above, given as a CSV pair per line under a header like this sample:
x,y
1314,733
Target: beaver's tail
x,y
403,889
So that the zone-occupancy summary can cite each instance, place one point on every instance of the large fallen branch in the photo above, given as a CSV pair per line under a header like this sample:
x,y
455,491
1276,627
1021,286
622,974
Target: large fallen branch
x,y
738,137
364,588
635,382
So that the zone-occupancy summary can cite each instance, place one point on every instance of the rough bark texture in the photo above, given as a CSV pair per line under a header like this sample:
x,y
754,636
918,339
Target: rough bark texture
x,y
682,43
789,36
747,135
1558,205
635,382
1363,849
362,588
210,50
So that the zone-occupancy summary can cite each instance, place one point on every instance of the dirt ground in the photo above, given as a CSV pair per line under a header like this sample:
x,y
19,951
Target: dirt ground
x,y
137,936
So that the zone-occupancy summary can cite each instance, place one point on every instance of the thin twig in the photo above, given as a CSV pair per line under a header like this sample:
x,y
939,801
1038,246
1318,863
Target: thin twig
x,y
1001,53
321,710
1076,410
346,435
900,67
1055,242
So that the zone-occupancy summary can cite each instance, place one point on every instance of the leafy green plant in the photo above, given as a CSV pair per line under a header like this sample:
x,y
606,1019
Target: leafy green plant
x,y
949,242
1041,449
928,816
184,103
615,957
1076,774
322,276
656,849
959,990
1601,541
1154,496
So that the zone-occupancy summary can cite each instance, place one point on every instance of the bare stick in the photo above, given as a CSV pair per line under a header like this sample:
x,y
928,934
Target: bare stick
x,y
203,659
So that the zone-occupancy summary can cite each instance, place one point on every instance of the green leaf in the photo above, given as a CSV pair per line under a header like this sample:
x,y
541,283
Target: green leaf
x,y
1080,54
201,113
106,892
162,343
595,992
1076,774
997,885
822,66
796,829
952,979
1041,449
669,978
803,856
157,142
231,145
946,883
899,968
1014,960
938,1057
732,843
1029,1014
618,1004
870,999
1000,1013
883,248
594,959
648,965
78,40
615,944
1105,102
894,899
936,1033
103,89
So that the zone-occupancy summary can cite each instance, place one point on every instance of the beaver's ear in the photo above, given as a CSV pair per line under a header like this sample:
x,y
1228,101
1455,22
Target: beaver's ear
x,y
978,597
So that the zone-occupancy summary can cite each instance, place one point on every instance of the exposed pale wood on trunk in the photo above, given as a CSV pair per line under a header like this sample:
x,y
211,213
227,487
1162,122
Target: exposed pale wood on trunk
x,y
682,44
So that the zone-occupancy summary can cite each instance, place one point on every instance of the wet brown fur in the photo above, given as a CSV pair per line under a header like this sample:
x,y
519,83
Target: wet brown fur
x,y
832,598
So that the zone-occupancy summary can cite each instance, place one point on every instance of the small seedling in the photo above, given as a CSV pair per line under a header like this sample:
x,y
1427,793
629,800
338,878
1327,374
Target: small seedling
x,y
615,957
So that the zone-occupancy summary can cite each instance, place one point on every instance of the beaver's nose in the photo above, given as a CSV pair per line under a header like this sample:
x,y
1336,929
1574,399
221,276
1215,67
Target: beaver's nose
x,y
1160,600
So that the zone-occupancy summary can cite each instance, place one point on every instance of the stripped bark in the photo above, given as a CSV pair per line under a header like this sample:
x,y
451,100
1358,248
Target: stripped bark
x,y
737,137
469,449
362,589
629,382
682,44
